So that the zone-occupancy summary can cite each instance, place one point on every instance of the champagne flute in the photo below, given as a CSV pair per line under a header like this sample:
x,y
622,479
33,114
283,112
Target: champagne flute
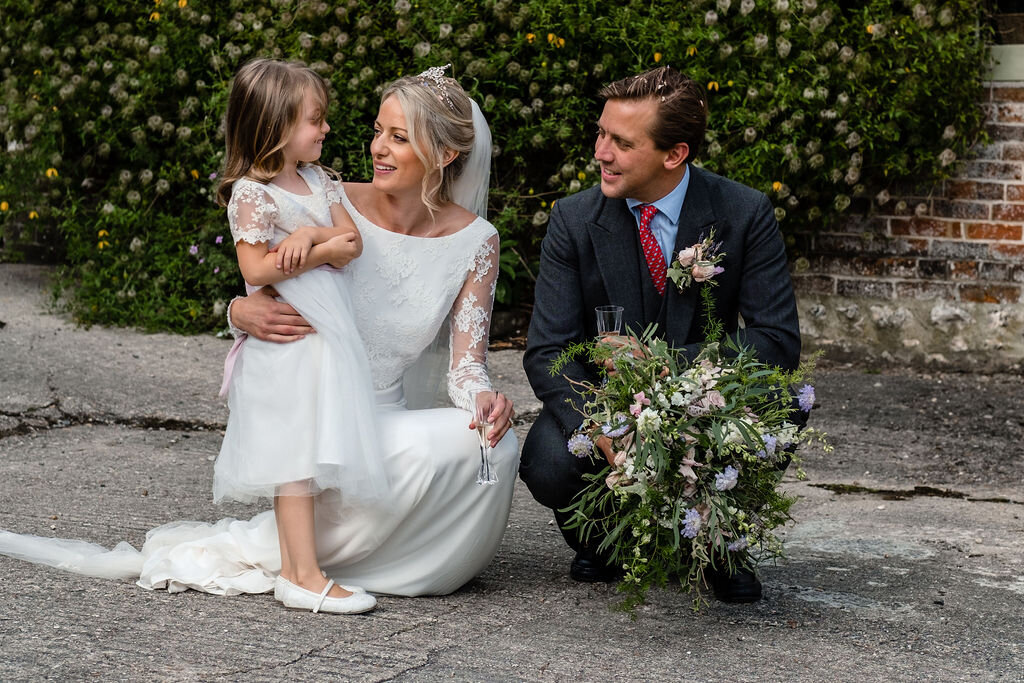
x,y
486,475
609,324
609,320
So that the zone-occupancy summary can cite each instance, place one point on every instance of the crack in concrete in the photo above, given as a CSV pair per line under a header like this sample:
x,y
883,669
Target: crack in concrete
x,y
314,652
432,657
903,494
30,423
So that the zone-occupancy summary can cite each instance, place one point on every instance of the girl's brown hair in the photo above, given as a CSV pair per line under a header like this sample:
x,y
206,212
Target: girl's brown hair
x,y
264,104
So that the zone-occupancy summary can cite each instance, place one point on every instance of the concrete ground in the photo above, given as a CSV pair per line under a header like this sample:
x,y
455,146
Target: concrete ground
x,y
905,562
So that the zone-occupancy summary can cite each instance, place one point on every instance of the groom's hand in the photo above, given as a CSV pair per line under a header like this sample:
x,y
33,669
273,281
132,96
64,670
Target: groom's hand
x,y
267,319
621,345
604,444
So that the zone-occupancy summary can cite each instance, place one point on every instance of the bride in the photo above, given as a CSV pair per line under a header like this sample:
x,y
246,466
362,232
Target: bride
x,y
422,296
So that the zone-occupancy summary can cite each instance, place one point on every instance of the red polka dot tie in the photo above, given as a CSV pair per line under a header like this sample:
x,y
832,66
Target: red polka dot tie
x,y
652,251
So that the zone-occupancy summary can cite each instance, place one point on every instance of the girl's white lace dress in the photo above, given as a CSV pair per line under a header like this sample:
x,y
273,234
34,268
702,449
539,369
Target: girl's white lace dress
x,y
303,412
437,528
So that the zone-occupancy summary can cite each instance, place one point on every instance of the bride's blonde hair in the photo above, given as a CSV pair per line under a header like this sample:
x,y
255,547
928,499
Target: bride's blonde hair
x,y
439,119
264,104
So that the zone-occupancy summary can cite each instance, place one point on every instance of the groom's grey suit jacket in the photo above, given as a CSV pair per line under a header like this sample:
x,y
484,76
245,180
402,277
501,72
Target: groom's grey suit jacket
x,y
591,256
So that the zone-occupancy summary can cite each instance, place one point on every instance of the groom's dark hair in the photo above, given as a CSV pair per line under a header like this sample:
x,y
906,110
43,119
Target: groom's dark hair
x,y
682,105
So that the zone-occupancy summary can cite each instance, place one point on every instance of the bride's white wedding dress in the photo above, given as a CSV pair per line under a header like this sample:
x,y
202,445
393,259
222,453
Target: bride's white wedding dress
x,y
413,298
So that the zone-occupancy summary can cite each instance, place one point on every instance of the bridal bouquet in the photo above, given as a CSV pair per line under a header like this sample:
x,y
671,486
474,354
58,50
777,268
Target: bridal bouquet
x,y
699,452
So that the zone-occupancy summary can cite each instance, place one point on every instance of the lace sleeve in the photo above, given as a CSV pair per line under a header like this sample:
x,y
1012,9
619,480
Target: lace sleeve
x,y
471,322
251,213
330,183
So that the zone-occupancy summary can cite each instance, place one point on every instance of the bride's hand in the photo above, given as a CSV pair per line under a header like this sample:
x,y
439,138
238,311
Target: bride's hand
x,y
500,415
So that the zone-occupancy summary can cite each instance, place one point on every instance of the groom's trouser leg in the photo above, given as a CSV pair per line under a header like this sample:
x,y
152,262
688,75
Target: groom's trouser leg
x,y
553,474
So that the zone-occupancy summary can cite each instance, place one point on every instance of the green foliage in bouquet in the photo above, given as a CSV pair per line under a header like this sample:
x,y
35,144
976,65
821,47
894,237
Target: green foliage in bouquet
x,y
700,448
110,114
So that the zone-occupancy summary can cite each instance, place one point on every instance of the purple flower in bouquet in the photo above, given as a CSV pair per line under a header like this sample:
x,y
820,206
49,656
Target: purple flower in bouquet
x,y
726,480
805,397
580,445
692,523
620,426
738,545
769,447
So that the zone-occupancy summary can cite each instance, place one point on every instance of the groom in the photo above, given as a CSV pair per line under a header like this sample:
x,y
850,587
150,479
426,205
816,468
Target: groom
x,y
607,245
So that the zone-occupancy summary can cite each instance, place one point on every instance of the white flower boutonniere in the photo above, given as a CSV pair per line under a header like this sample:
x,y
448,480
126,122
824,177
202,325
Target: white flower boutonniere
x,y
698,263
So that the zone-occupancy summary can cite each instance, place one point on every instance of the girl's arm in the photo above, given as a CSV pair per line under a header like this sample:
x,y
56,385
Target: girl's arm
x,y
293,250
259,265
251,216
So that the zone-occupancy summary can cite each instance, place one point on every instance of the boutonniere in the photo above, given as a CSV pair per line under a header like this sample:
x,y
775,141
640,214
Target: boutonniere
x,y
698,263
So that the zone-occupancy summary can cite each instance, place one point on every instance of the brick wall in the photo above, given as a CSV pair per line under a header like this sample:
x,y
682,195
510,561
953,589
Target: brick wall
x,y
959,240
933,275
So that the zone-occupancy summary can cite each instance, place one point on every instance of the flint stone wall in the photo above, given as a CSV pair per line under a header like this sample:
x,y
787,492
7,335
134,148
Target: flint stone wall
x,y
933,276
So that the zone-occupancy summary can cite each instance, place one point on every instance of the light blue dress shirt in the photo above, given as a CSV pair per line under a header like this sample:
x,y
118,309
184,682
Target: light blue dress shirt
x,y
665,224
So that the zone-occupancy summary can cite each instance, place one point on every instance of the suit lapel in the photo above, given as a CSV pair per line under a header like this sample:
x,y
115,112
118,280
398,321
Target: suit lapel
x,y
695,222
613,235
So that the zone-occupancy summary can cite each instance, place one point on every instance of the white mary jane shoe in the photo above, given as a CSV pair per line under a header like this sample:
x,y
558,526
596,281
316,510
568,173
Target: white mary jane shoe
x,y
278,580
297,597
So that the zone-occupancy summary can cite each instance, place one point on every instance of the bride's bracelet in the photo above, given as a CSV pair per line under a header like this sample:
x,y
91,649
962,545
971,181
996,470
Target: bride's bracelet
x,y
235,331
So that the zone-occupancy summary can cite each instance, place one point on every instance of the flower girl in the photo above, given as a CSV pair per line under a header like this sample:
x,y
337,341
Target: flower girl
x,y
302,414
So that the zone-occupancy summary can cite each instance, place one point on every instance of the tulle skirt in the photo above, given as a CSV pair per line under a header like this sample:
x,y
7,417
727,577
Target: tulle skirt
x,y
303,413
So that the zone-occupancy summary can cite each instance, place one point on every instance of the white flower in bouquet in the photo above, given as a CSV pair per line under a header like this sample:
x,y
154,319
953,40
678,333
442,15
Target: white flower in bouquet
x,y
649,422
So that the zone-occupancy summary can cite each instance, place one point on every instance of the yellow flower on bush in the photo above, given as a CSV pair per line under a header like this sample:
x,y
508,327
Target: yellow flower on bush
x,y
657,56
712,85
182,4
561,42
551,37
102,233
37,72
102,244
691,51
155,16
51,173
530,37
871,28
32,215
195,174
776,186
4,206
581,175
